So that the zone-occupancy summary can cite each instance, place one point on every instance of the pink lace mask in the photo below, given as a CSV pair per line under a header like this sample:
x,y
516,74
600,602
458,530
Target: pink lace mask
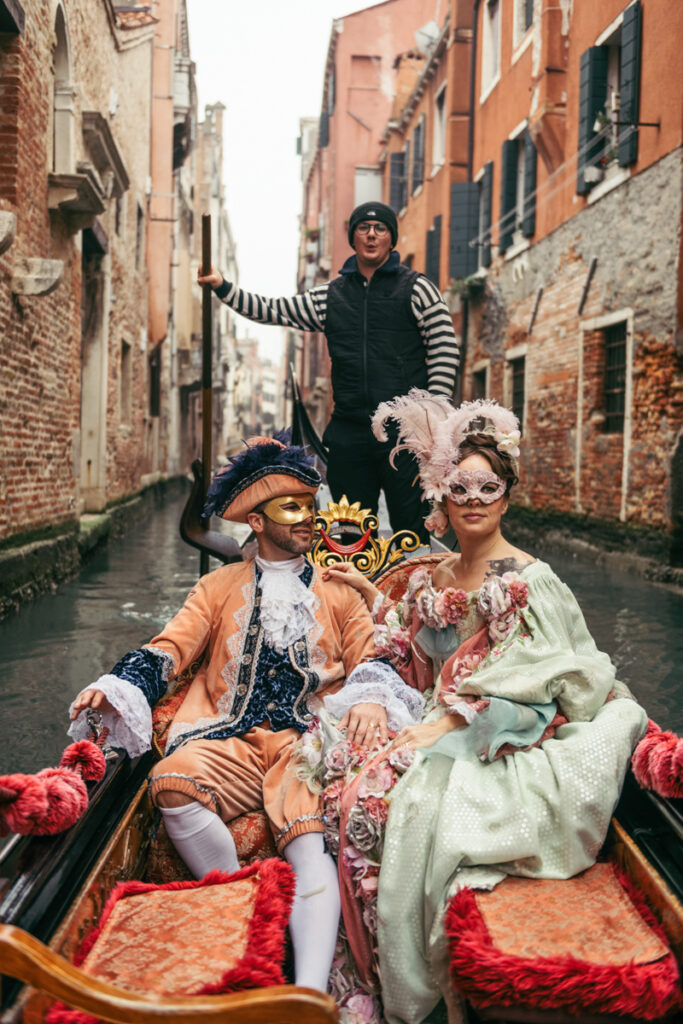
x,y
480,484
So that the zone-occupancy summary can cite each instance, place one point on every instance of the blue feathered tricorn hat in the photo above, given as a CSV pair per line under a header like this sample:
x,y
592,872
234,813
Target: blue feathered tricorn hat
x,y
266,468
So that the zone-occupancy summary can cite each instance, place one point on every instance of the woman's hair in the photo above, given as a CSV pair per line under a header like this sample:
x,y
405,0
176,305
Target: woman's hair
x,y
501,463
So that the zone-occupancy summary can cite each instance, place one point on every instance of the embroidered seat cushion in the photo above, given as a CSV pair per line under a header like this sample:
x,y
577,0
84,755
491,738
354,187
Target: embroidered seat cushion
x,y
394,580
222,934
253,842
585,944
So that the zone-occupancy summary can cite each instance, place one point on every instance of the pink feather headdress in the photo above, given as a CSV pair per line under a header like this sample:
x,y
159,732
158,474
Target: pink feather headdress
x,y
433,431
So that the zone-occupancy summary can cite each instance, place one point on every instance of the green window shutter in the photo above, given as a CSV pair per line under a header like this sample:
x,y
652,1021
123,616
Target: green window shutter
x,y
462,257
433,257
324,133
395,180
508,193
486,200
592,100
530,163
629,83
418,153
405,181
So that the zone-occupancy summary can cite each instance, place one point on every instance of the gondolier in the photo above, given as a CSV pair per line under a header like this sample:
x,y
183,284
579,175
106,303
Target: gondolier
x,y
273,639
388,329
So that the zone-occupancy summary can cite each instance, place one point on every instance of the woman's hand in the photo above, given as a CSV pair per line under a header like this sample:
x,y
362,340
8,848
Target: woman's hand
x,y
366,724
426,734
345,572
94,699
214,277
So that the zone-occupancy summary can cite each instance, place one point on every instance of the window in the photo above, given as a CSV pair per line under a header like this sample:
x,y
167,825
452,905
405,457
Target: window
x,y
517,190
484,225
405,177
609,87
418,154
139,236
463,229
433,257
615,377
396,161
480,384
155,382
367,185
125,400
439,140
517,370
523,20
490,56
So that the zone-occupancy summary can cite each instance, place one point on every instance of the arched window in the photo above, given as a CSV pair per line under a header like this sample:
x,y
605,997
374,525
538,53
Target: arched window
x,y
63,159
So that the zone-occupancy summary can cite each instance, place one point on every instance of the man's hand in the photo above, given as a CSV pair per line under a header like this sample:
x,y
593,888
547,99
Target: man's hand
x,y
366,724
424,735
214,277
94,699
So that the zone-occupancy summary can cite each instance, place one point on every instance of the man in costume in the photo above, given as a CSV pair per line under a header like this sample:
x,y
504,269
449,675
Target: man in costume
x,y
273,639
388,329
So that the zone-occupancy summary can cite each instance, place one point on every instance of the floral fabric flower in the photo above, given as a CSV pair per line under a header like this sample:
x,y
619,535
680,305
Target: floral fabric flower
x,y
436,522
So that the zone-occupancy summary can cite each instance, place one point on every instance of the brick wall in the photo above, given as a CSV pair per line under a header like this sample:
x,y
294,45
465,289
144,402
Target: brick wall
x,y
569,462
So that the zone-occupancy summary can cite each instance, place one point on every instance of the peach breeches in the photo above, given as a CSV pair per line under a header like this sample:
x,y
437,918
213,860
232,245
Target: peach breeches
x,y
244,773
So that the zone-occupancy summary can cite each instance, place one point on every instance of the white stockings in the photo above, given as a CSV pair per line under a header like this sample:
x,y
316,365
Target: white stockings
x,y
315,914
201,838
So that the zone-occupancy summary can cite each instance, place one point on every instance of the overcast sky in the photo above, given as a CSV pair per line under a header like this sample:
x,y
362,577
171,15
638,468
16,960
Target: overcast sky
x,y
264,60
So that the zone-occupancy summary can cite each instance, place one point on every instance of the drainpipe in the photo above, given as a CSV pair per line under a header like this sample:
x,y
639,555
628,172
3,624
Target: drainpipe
x,y
470,161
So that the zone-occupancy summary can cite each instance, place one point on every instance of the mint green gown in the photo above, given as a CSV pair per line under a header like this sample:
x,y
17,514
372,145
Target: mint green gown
x,y
456,820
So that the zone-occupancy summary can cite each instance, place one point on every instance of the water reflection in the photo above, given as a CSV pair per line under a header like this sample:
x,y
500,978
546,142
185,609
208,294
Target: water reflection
x,y
60,643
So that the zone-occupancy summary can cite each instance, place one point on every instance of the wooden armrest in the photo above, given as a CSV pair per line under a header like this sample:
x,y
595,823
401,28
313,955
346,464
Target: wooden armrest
x,y
24,957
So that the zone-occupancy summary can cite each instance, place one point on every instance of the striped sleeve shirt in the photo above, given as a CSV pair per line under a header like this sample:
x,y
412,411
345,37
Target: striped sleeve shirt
x,y
307,312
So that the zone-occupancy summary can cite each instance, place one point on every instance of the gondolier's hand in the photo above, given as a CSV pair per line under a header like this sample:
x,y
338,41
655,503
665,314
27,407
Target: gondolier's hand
x,y
214,277
366,724
92,699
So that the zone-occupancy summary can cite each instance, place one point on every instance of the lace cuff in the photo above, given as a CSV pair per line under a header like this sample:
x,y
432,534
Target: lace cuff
x,y
376,605
131,730
378,683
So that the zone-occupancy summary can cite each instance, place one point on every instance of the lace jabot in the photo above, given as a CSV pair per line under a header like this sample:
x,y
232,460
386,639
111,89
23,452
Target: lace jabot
x,y
288,607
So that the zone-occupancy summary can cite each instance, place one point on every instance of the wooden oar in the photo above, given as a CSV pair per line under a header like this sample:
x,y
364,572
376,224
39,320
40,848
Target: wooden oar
x,y
207,410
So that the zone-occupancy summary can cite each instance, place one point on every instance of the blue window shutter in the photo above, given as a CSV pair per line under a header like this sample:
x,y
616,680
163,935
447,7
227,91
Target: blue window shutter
x,y
464,228
395,180
592,100
629,83
508,193
530,163
486,200
324,133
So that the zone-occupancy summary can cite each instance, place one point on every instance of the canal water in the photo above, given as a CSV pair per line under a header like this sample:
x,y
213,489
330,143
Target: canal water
x,y
52,648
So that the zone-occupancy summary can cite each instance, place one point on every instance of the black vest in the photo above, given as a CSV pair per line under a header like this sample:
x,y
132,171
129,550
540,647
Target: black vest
x,y
375,347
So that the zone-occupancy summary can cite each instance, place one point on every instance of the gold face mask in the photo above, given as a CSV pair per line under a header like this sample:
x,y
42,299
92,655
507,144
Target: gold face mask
x,y
281,509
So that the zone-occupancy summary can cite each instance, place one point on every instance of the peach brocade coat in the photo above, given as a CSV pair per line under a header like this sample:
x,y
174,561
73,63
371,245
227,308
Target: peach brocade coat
x,y
213,624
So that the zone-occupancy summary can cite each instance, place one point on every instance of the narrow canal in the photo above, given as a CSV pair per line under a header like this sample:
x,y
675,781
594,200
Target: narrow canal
x,y
61,642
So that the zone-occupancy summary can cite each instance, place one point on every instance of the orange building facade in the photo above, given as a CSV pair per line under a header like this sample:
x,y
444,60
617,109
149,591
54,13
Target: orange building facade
x,y
533,157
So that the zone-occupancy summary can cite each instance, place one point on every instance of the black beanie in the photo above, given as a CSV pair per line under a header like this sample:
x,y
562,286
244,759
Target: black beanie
x,y
374,211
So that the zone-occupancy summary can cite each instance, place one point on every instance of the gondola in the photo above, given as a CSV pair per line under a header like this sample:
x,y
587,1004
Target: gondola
x,y
53,889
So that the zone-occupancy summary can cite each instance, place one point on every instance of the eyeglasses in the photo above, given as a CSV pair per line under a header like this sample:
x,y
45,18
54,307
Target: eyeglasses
x,y
379,228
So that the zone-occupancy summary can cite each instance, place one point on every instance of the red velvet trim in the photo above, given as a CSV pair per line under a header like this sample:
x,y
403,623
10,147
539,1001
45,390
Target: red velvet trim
x,y
490,978
261,965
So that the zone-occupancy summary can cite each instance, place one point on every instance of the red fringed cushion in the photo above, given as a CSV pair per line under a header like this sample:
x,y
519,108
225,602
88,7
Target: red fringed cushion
x,y
224,933
587,944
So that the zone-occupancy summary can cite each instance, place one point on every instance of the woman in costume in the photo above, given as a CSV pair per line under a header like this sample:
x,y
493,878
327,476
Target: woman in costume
x,y
518,763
